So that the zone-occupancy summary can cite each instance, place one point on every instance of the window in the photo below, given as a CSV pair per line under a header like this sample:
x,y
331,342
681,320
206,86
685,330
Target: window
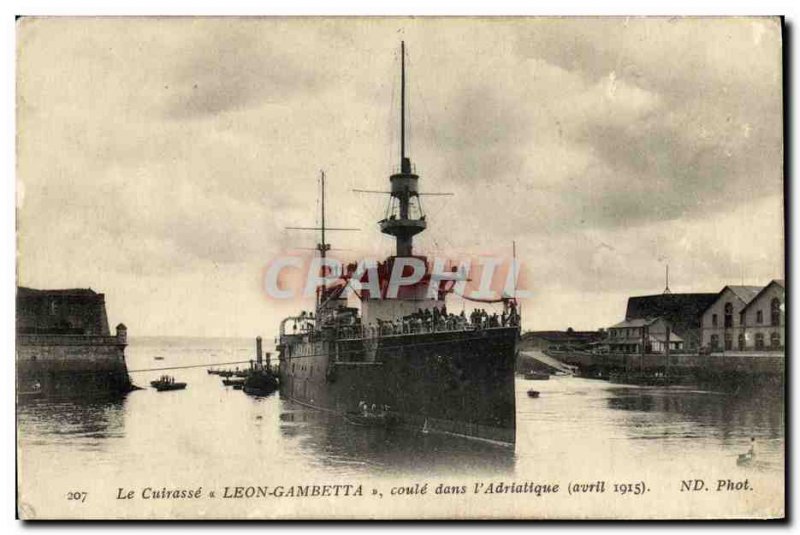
x,y
728,315
759,341
742,318
714,342
760,317
53,308
775,312
713,320
741,342
775,340
728,341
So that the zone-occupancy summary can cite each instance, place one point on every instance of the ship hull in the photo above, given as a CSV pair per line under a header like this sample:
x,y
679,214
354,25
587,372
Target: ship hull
x,y
460,382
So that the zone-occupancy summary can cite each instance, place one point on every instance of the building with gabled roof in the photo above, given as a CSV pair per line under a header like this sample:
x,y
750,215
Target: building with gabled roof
x,y
735,321
764,320
655,333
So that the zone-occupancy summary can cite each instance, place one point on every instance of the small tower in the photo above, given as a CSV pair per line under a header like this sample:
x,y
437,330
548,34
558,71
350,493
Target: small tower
x,y
405,218
122,334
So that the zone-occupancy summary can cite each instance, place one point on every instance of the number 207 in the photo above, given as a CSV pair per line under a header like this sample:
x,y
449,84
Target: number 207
x,y
79,496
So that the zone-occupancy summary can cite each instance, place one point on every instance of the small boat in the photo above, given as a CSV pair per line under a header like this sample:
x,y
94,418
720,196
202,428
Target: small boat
x,y
537,376
260,383
368,419
747,458
158,358
167,382
533,394
233,382
35,391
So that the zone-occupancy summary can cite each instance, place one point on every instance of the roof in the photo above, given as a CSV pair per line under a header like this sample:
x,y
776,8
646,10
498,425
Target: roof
x,y
682,311
773,282
638,322
745,293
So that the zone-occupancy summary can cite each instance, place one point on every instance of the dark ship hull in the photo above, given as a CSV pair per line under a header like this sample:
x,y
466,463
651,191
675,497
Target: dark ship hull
x,y
457,382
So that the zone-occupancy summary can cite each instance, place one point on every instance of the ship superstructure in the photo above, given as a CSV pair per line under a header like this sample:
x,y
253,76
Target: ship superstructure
x,y
402,350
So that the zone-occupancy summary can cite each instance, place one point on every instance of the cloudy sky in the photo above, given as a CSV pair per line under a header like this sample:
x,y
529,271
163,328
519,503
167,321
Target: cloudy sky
x,y
159,160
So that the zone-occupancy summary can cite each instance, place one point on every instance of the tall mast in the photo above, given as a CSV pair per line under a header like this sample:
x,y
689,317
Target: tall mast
x,y
322,246
322,222
404,223
514,268
402,101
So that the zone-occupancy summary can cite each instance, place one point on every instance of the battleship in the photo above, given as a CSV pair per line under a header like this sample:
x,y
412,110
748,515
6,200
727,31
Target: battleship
x,y
401,353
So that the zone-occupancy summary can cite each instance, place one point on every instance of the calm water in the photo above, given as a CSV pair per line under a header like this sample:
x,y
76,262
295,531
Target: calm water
x,y
226,437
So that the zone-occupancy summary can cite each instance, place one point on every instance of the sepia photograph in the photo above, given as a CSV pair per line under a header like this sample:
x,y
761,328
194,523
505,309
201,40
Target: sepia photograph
x,y
393,268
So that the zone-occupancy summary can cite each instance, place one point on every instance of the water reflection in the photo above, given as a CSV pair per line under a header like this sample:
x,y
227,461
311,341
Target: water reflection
x,y
79,423
724,411
334,443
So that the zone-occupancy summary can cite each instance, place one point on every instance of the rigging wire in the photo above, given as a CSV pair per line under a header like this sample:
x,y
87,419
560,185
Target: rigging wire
x,y
143,370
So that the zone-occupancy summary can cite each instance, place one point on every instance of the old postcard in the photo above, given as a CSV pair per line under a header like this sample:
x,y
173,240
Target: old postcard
x,y
400,268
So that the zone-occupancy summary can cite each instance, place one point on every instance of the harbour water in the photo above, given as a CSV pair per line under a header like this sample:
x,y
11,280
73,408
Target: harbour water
x,y
213,435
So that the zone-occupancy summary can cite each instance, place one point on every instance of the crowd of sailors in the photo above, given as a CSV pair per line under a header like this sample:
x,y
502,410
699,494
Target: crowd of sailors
x,y
428,320
423,320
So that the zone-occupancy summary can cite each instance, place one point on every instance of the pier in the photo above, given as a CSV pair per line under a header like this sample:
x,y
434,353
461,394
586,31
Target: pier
x,y
681,367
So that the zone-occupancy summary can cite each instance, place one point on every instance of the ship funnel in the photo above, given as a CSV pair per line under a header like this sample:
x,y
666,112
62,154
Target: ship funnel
x,y
259,358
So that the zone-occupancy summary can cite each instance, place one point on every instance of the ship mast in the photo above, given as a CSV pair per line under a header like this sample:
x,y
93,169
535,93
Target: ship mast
x,y
402,223
402,103
322,246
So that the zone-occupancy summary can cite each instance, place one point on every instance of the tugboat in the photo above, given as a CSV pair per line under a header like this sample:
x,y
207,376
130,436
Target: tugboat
x,y
167,382
438,371
260,379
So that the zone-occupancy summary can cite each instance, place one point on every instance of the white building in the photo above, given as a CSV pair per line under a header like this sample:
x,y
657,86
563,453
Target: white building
x,y
746,318
764,320
628,336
